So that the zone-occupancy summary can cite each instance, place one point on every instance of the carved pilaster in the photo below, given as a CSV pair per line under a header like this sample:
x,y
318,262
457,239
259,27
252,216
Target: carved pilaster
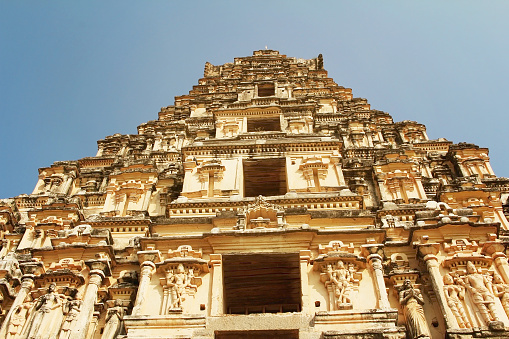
x,y
428,251
27,283
495,249
96,276
216,303
374,253
305,257
147,259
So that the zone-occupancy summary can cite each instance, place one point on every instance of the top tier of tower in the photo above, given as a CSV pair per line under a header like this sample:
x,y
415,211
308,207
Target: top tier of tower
x,y
265,78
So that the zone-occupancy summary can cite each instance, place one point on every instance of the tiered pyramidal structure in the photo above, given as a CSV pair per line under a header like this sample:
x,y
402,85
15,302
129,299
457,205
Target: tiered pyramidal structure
x,y
266,203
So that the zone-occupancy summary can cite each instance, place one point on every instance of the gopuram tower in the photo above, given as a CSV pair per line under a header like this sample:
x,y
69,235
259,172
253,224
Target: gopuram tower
x,y
266,203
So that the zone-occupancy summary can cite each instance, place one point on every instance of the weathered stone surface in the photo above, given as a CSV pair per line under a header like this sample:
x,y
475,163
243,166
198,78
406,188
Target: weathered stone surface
x,y
268,202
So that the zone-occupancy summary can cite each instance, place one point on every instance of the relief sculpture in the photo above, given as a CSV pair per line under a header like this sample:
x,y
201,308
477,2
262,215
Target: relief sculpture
x,y
411,300
47,315
455,294
480,290
501,290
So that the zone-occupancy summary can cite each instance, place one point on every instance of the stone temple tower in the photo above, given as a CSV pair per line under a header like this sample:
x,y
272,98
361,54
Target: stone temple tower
x,y
268,202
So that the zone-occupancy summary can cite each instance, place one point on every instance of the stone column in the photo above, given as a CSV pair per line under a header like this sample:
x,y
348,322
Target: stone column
x,y
216,299
146,199
375,261
427,251
500,260
305,256
147,259
96,277
495,248
27,283
374,254
93,324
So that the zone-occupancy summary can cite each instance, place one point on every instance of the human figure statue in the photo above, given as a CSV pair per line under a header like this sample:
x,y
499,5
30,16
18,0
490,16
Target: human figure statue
x,y
481,290
114,318
17,320
71,311
177,283
341,279
501,290
47,315
411,300
455,294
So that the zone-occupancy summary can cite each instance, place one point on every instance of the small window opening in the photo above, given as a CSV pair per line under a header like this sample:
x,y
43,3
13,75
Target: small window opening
x,y
263,124
266,90
261,283
265,177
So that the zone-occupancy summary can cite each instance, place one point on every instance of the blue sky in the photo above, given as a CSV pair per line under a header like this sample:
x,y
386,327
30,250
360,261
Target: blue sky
x,y
73,72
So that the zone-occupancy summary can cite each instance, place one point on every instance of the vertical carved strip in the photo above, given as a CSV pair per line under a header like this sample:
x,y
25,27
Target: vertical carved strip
x,y
147,269
26,286
216,300
305,256
82,324
375,261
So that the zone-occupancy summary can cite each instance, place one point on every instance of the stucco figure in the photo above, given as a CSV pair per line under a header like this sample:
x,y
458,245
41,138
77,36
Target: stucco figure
x,y
455,294
501,290
480,289
47,315
411,300
71,311
341,280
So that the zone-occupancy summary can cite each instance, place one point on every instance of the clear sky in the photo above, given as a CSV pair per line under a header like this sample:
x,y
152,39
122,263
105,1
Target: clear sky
x,y
73,72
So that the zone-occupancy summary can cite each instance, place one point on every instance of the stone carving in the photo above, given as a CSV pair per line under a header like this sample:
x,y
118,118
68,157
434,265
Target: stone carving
x,y
180,279
339,280
71,311
455,294
411,300
501,290
18,319
480,290
178,283
47,315
114,318
260,214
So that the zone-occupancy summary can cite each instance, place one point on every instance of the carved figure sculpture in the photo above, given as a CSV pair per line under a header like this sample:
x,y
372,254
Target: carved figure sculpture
x,y
501,290
71,311
481,290
411,300
341,281
47,315
178,282
455,294
18,319
114,319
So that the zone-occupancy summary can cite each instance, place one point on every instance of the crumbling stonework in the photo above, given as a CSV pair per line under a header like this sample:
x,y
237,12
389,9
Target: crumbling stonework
x,y
266,203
